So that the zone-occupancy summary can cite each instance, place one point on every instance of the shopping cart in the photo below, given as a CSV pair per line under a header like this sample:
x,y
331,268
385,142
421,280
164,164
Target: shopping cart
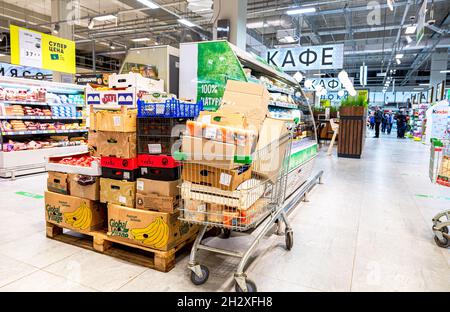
x,y
256,204
440,174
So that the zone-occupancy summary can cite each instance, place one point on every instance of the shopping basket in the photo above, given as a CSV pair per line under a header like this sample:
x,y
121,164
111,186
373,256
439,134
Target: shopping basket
x,y
171,108
242,198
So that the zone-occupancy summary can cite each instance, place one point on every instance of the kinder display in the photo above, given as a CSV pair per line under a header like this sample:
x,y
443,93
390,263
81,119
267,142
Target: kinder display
x,y
31,112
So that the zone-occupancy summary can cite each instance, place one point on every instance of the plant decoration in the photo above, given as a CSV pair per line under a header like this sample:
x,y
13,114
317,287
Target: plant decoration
x,y
354,101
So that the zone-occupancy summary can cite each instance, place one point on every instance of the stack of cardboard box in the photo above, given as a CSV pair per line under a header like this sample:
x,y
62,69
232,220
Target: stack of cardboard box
x,y
223,154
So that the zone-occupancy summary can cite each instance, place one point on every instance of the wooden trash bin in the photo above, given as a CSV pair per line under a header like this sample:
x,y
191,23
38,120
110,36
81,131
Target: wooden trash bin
x,y
352,131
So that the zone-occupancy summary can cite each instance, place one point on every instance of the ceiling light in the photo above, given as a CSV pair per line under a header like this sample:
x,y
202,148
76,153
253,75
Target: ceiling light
x,y
319,74
408,39
390,4
289,39
91,23
111,45
444,71
148,3
256,25
298,76
105,18
300,11
398,61
56,29
140,39
418,89
399,56
411,29
308,83
186,22
2,54
381,74
424,84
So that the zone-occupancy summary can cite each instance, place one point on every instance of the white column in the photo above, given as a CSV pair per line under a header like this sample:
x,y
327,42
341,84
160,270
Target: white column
x,y
236,12
438,63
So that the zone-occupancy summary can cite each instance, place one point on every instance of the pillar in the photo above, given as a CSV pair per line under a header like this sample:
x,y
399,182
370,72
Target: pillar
x,y
236,12
63,10
438,63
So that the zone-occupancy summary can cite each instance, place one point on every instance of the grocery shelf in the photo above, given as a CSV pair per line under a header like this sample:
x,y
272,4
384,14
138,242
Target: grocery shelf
x,y
38,103
283,104
38,118
278,90
13,133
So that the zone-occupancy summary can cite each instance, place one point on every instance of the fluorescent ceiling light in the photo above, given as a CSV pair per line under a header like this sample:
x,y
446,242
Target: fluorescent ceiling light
x,y
105,18
319,75
444,71
289,39
424,84
381,74
91,23
186,22
408,39
140,39
398,61
418,89
411,29
148,3
256,25
298,76
399,56
390,4
301,11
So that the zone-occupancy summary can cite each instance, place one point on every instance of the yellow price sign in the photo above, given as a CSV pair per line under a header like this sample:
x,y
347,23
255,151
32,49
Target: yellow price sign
x,y
36,49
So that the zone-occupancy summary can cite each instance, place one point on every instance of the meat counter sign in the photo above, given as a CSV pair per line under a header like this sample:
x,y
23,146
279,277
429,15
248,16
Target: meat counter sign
x,y
307,58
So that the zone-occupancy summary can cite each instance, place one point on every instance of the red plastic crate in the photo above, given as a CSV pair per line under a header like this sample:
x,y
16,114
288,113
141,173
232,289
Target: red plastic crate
x,y
157,161
119,163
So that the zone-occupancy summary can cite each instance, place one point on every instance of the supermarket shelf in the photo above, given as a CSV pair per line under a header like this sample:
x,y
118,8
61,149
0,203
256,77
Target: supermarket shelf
x,y
38,103
279,90
13,133
39,118
283,104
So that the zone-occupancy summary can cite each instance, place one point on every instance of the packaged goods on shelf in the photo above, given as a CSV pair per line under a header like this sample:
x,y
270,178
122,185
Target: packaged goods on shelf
x,y
116,144
194,210
157,202
118,121
120,168
73,212
79,163
58,182
118,192
162,188
158,230
84,186
225,179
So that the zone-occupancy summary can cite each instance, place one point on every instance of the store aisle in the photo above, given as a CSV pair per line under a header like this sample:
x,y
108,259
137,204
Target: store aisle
x,y
367,228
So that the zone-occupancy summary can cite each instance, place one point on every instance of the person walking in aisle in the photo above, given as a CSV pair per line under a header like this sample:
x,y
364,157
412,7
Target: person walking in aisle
x,y
372,121
384,123
389,123
401,125
378,116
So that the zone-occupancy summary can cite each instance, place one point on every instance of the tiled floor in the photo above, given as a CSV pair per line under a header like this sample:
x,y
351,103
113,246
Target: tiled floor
x,y
367,228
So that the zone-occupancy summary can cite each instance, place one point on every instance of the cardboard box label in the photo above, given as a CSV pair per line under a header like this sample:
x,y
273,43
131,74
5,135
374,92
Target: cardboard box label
x,y
122,199
206,119
225,179
154,148
117,120
118,228
140,185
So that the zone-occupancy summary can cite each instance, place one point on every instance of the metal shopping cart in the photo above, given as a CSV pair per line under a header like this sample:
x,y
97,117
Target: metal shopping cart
x,y
211,200
440,174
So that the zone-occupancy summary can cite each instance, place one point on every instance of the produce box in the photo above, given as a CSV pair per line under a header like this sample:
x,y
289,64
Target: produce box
x,y
234,120
225,179
57,182
120,168
116,144
213,153
73,212
158,230
194,210
84,186
159,161
118,192
123,120
162,188
80,163
92,142
157,202
215,213
250,99
160,174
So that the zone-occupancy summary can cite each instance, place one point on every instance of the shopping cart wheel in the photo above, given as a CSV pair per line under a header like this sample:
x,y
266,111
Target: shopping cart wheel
x,y
444,244
196,280
289,239
251,286
226,233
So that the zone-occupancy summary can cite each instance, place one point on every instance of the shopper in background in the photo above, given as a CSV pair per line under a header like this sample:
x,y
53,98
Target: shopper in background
x,y
389,123
401,124
384,123
372,121
378,117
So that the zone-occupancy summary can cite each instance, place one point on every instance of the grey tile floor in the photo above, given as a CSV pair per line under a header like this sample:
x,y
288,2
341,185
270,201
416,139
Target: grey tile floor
x,y
367,228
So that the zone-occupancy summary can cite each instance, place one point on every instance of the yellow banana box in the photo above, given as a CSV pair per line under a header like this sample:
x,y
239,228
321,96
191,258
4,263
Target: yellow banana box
x,y
73,212
157,230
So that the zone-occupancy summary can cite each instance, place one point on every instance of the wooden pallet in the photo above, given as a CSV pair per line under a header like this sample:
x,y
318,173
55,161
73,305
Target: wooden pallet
x,y
163,261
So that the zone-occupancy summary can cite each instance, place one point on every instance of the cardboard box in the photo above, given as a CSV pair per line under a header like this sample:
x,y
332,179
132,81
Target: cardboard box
x,y
234,120
92,142
118,192
270,149
116,144
225,179
157,202
250,99
57,182
157,230
162,188
215,213
194,210
208,152
84,186
72,212
123,120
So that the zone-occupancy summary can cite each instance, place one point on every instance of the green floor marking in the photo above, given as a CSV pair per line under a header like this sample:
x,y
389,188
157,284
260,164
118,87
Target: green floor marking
x,y
31,195
431,196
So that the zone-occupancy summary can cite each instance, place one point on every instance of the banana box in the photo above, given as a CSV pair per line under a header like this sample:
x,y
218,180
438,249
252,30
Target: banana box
x,y
157,230
75,213
157,202
116,144
118,192
58,182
